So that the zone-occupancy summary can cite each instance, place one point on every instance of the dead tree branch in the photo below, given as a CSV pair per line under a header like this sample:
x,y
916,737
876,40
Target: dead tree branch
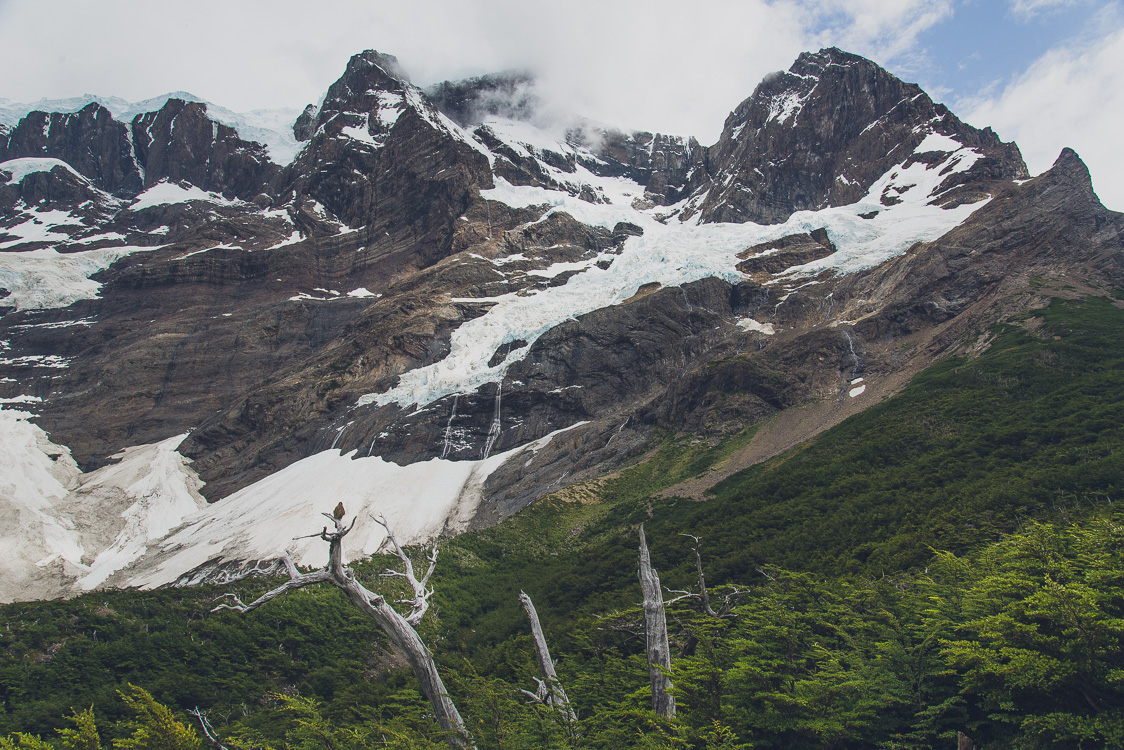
x,y
705,597
224,577
655,630
550,687
420,602
399,629
208,731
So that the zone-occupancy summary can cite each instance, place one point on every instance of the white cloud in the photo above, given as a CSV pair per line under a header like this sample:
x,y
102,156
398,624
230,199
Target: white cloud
x,y
880,29
1071,96
1028,9
654,64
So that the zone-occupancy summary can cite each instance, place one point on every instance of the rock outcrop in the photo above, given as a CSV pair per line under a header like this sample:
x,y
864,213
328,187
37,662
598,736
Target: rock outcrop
x,y
180,142
90,141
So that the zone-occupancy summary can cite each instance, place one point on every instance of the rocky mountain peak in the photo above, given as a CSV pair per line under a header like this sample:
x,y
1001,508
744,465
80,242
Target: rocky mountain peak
x,y
305,124
822,132
1071,168
358,89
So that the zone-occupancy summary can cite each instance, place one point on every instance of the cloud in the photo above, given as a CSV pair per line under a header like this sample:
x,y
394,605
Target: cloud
x,y
883,30
1027,9
652,64
1071,96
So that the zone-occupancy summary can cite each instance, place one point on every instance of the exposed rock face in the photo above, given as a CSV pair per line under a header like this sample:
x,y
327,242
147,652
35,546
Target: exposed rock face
x,y
180,142
822,132
90,141
663,164
305,123
274,327
58,188
472,101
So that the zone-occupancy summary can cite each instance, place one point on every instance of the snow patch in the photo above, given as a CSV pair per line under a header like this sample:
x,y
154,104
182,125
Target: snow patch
x,y
937,142
52,361
749,324
62,525
164,193
786,106
35,474
17,169
22,400
158,489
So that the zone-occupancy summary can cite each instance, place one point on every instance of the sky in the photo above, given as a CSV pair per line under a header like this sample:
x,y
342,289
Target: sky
x,y
1044,73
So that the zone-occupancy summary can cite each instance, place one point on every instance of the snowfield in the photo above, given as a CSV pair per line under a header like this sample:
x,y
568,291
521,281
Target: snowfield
x,y
141,522
278,513
65,530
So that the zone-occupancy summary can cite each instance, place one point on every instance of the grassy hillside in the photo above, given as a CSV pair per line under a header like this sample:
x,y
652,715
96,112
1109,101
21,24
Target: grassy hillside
x,y
882,602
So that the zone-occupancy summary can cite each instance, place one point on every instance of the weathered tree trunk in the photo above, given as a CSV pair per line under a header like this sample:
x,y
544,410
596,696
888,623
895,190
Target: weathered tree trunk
x,y
964,742
655,632
556,693
399,629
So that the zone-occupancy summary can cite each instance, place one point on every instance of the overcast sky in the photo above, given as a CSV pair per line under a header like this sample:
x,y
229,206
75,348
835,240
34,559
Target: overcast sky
x,y
1045,73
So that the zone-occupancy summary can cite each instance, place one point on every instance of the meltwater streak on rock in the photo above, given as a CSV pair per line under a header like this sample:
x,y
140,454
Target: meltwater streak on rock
x,y
445,446
496,426
855,371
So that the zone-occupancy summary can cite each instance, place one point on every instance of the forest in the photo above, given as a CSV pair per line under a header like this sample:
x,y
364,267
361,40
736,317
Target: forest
x,y
948,563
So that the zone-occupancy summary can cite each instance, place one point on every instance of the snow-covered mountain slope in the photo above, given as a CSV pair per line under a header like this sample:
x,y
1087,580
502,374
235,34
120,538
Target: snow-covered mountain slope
x,y
273,128
444,307
673,253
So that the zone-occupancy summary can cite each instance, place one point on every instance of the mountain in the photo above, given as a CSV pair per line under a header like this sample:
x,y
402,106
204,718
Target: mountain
x,y
449,302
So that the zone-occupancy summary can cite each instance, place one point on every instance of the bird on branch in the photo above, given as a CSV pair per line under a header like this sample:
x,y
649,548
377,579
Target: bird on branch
x,y
338,512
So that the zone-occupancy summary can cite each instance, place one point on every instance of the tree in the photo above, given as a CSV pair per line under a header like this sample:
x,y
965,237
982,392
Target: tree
x,y
400,629
655,634
84,735
550,690
1043,644
155,727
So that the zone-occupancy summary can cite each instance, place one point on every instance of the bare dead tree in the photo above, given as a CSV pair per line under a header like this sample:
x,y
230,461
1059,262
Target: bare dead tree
x,y
400,629
655,630
702,596
208,730
550,690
